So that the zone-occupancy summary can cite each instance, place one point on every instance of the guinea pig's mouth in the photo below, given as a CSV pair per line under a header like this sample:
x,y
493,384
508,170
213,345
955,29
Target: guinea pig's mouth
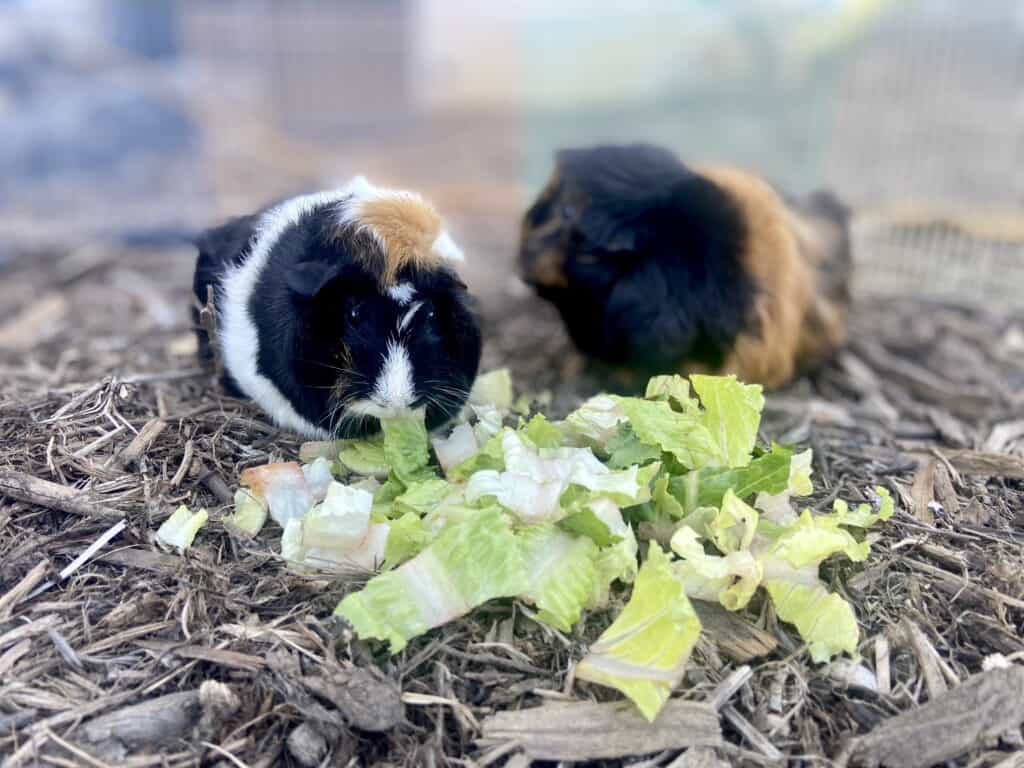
x,y
377,409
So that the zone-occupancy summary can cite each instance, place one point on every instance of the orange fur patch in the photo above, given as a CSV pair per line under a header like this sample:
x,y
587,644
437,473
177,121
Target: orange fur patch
x,y
407,227
542,248
784,279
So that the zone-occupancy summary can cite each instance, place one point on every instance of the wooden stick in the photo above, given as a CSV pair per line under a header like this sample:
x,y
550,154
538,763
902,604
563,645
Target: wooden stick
x,y
33,490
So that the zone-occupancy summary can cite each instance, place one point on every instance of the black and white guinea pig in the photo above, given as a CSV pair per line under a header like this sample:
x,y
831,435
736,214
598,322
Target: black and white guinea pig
x,y
340,308
658,267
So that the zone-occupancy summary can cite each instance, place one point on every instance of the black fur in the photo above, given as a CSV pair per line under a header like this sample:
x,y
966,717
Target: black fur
x,y
323,323
652,259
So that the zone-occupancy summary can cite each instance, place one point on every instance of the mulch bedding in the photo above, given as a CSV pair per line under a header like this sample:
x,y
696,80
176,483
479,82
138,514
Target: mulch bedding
x,y
142,657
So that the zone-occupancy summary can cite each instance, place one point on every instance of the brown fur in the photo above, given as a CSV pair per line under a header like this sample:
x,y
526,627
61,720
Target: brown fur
x,y
407,227
544,247
785,281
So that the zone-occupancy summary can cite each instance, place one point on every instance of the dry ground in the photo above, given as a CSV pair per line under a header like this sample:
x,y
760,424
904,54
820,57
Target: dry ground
x,y
235,661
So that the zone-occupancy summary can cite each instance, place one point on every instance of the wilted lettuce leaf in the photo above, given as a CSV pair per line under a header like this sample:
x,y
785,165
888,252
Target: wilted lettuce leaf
x,y
645,650
618,561
732,414
561,570
469,563
824,620
422,496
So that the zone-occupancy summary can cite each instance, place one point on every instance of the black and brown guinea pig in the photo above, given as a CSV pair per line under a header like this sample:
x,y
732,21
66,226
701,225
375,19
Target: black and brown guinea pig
x,y
336,309
657,267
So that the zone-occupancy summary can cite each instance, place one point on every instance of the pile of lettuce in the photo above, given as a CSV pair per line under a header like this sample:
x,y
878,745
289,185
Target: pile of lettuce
x,y
504,506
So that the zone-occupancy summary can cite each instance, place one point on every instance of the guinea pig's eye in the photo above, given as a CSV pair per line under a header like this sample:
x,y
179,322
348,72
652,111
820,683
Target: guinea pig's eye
x,y
568,212
355,314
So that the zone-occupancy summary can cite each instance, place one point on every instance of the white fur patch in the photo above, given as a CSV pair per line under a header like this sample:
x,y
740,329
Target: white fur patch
x,y
446,248
239,341
402,293
408,316
394,387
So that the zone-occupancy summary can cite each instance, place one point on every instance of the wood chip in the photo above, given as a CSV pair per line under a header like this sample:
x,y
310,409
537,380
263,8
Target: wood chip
x,y
945,493
923,491
34,490
986,464
698,757
17,593
139,444
368,700
736,637
927,658
582,730
148,724
218,656
971,715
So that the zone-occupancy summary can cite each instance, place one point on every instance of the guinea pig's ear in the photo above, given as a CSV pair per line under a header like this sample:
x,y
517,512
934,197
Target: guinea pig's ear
x,y
307,278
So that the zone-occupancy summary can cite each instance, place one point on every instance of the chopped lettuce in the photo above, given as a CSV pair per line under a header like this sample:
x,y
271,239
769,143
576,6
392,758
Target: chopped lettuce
x,y
645,650
561,569
493,388
490,456
824,620
250,512
681,434
460,446
422,496
318,477
769,473
180,529
675,389
618,560
406,450
407,537
730,580
542,433
284,488
596,421
469,563
732,413
364,457
626,449
585,522
337,532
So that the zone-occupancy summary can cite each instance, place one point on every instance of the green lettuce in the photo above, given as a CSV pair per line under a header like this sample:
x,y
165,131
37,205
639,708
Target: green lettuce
x,y
732,414
681,434
406,448
469,563
644,652
364,457
493,388
561,570
180,529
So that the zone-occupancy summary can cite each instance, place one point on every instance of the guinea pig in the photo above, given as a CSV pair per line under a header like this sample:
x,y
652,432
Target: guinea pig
x,y
336,309
658,267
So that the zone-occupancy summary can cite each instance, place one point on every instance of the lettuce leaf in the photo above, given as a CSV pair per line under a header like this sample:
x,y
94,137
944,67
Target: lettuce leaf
x,y
730,579
180,529
408,536
406,450
674,389
595,422
460,446
732,414
681,434
493,388
824,620
490,456
770,473
469,563
625,449
422,496
644,652
283,486
364,457
542,433
250,513
561,570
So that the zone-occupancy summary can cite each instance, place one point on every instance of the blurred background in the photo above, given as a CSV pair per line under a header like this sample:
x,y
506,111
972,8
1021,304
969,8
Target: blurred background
x,y
130,123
